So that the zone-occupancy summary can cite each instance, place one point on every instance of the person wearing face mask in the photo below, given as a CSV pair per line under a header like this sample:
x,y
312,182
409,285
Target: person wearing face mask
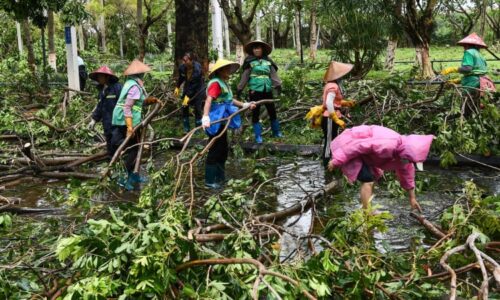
x,y
191,75
364,152
109,91
333,102
260,73
127,114
220,104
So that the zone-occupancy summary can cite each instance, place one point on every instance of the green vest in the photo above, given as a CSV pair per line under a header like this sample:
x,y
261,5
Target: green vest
x,y
226,93
118,115
260,76
474,59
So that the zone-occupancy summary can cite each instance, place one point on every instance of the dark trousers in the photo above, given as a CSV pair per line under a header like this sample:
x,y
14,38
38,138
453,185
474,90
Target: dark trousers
x,y
119,133
82,72
328,136
271,108
219,151
108,135
197,105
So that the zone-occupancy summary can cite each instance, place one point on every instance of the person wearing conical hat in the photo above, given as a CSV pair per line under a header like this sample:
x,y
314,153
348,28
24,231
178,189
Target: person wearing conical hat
x,y
473,68
260,74
109,91
219,104
333,101
127,114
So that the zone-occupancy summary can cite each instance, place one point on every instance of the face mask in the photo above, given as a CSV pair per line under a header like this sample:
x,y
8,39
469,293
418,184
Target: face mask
x,y
419,166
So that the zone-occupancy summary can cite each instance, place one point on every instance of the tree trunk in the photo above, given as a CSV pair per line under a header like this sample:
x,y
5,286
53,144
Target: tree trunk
x,y
103,29
120,35
258,33
424,60
226,36
392,45
19,39
81,38
240,53
484,7
217,42
142,38
298,43
29,45
313,36
169,33
52,47
191,30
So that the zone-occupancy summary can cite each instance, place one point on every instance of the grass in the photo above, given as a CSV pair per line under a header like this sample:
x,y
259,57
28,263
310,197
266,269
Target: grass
x,y
286,58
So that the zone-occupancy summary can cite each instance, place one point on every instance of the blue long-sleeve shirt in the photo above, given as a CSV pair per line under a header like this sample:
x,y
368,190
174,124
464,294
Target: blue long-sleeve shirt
x,y
108,96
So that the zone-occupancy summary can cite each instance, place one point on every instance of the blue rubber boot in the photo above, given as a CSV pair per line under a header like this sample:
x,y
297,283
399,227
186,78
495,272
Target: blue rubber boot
x,y
137,178
185,123
211,176
257,130
275,127
220,176
127,184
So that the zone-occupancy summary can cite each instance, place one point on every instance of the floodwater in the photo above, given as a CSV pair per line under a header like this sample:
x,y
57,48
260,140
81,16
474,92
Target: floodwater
x,y
300,177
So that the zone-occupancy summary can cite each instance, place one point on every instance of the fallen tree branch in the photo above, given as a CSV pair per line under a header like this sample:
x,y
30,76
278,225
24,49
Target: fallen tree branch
x,y
263,271
428,225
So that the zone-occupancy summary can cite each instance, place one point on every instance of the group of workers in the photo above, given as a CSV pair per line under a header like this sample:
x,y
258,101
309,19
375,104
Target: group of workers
x,y
361,152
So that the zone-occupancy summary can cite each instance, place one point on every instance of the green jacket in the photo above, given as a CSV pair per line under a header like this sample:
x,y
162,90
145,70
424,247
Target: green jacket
x,y
118,114
474,59
260,76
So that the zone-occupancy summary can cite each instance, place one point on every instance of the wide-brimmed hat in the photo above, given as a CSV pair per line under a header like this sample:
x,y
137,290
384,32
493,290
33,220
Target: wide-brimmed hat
x,y
472,39
266,48
336,70
136,67
223,63
103,70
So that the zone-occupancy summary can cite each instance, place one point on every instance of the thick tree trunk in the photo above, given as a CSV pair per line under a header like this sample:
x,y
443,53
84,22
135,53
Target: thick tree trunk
x,y
240,25
258,33
240,53
142,38
313,36
52,47
226,35
191,30
29,45
424,60
81,38
392,45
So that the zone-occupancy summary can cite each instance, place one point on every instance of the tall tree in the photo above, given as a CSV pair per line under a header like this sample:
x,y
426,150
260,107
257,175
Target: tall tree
x,y
52,47
240,25
191,30
143,24
417,20
313,36
463,15
29,44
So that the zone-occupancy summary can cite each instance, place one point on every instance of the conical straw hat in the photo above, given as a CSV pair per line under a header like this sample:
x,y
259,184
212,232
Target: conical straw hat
x,y
103,70
473,39
136,67
266,48
222,63
336,70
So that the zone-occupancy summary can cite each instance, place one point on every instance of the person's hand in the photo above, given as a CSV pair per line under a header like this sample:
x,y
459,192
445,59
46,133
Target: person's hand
x,y
205,122
91,124
348,103
454,81
331,166
151,100
176,92
449,70
130,128
414,204
252,105
185,101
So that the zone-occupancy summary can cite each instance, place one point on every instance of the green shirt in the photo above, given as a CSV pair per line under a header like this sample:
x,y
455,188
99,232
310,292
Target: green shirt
x,y
472,58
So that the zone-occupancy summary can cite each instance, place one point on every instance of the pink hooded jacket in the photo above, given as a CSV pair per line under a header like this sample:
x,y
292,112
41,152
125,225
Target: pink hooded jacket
x,y
382,149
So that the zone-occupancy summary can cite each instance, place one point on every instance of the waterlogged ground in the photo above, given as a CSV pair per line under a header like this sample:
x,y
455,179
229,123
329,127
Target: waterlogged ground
x,y
295,179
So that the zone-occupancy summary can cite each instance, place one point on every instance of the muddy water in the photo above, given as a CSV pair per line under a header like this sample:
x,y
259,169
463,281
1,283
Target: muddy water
x,y
305,176
297,178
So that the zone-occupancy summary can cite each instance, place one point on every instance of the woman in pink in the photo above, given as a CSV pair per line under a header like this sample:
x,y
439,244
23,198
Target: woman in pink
x,y
333,101
365,152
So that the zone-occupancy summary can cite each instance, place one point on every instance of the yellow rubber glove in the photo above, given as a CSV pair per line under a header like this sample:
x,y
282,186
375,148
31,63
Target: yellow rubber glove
x,y
130,127
454,81
151,100
347,103
185,102
176,92
337,120
449,70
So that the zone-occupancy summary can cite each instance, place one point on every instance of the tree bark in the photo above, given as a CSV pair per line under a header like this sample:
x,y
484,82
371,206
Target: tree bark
x,y
52,47
298,43
29,45
103,29
424,60
81,38
240,25
392,45
313,33
191,30
142,38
